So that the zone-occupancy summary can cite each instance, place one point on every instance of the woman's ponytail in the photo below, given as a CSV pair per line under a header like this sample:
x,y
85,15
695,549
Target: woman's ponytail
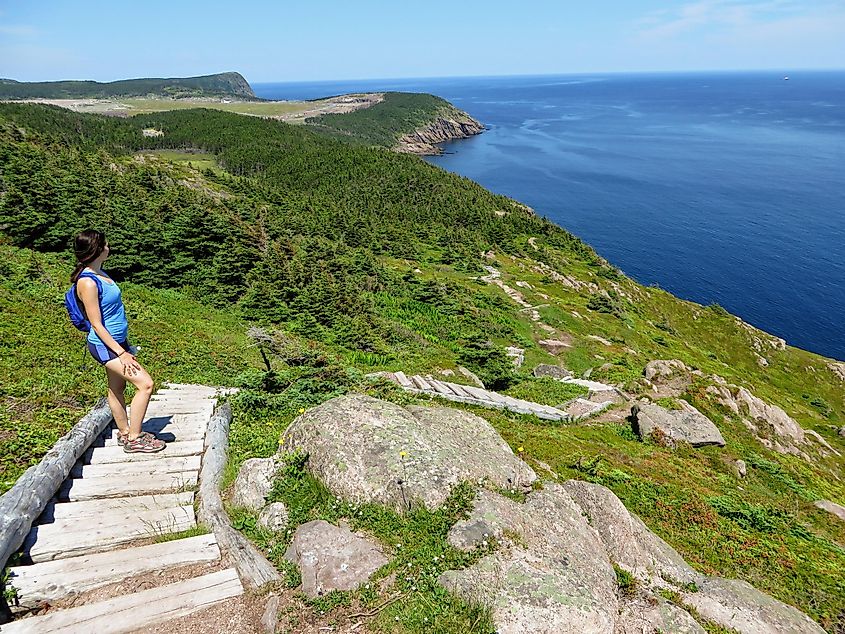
x,y
87,246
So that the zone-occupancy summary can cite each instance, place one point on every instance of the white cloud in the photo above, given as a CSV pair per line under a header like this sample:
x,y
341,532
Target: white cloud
x,y
726,15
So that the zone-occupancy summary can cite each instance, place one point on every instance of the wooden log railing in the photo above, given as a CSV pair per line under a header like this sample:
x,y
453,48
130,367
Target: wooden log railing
x,y
21,505
252,566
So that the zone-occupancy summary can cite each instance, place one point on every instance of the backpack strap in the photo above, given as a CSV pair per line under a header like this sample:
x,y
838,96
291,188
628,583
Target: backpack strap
x,y
99,284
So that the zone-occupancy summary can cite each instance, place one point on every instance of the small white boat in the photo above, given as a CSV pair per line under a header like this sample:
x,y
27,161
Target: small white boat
x,y
786,78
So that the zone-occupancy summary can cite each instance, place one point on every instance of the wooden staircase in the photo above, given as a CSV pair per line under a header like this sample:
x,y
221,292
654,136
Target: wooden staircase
x,y
97,529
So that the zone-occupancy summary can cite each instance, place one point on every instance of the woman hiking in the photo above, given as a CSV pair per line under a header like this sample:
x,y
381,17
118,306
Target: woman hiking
x,y
108,341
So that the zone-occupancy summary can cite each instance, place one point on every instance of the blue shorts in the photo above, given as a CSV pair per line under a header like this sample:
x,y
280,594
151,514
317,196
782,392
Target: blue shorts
x,y
102,354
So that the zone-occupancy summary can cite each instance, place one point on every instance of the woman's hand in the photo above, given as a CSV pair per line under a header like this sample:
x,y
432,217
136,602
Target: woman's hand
x,y
130,364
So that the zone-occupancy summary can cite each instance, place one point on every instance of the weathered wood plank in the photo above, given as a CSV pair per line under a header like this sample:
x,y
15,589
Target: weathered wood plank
x,y
403,380
421,383
69,538
111,486
134,611
102,455
135,504
254,569
53,580
25,501
166,464
439,387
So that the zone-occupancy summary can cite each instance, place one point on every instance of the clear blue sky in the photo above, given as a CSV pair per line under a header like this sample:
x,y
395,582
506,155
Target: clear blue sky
x,y
358,39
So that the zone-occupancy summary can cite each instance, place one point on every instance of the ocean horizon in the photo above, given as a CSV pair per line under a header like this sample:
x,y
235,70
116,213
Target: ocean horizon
x,y
723,187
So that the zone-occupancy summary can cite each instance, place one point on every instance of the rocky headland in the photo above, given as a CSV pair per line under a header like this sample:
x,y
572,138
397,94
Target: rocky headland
x,y
450,125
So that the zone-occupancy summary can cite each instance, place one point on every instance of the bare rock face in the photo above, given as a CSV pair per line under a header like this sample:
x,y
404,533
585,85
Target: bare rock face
x,y
554,578
333,558
831,507
367,450
450,126
741,468
773,426
651,613
626,539
683,425
274,517
254,481
554,371
738,605
668,378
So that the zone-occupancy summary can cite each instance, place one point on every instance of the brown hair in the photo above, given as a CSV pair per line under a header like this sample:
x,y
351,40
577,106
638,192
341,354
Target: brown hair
x,y
87,246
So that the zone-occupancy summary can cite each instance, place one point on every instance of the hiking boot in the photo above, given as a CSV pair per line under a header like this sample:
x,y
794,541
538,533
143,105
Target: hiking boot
x,y
122,438
144,444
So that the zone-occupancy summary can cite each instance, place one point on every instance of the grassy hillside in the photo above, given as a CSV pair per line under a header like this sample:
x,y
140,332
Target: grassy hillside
x,y
365,260
384,123
217,85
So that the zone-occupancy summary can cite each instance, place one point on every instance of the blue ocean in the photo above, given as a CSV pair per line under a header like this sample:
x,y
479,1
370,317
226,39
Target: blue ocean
x,y
725,188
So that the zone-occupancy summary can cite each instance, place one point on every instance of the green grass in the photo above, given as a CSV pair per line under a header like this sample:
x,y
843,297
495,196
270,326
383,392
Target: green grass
x,y
546,391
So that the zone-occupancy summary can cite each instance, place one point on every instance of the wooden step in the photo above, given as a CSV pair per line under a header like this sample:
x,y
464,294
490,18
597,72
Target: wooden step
x,y
175,464
167,435
135,504
403,380
72,537
112,486
135,611
101,455
421,383
53,580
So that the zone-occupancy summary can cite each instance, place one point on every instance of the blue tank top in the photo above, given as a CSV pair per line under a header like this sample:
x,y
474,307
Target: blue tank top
x,y
111,309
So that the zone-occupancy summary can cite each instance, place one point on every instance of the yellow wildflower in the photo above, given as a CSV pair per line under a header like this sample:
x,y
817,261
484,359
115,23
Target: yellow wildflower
x,y
301,410
520,449
402,454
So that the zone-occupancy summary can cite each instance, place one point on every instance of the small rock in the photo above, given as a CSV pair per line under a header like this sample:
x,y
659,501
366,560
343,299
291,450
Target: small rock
x,y
447,372
270,618
274,517
587,373
517,354
472,377
254,481
554,346
842,431
683,425
554,371
333,558
741,468
661,368
831,507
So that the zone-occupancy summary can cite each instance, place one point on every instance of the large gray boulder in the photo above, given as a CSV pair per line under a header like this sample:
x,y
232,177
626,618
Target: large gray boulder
x,y
552,574
367,450
683,425
738,605
253,484
333,558
627,540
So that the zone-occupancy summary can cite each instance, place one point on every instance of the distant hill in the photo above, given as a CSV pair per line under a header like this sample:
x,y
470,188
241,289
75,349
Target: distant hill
x,y
218,85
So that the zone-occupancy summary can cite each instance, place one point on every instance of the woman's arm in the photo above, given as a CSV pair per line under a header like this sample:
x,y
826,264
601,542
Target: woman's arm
x,y
87,290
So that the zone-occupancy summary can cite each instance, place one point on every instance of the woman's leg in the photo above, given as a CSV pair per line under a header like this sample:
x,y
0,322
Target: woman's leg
x,y
143,383
117,402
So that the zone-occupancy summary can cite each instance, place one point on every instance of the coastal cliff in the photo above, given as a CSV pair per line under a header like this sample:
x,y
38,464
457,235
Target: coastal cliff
x,y
455,124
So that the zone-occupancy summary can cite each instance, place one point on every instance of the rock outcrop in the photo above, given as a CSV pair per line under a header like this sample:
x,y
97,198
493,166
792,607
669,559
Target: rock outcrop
x,y
557,579
683,425
367,450
554,371
450,125
831,507
274,517
333,558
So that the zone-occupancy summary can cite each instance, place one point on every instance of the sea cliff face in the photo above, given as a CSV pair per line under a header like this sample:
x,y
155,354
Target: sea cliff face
x,y
449,126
